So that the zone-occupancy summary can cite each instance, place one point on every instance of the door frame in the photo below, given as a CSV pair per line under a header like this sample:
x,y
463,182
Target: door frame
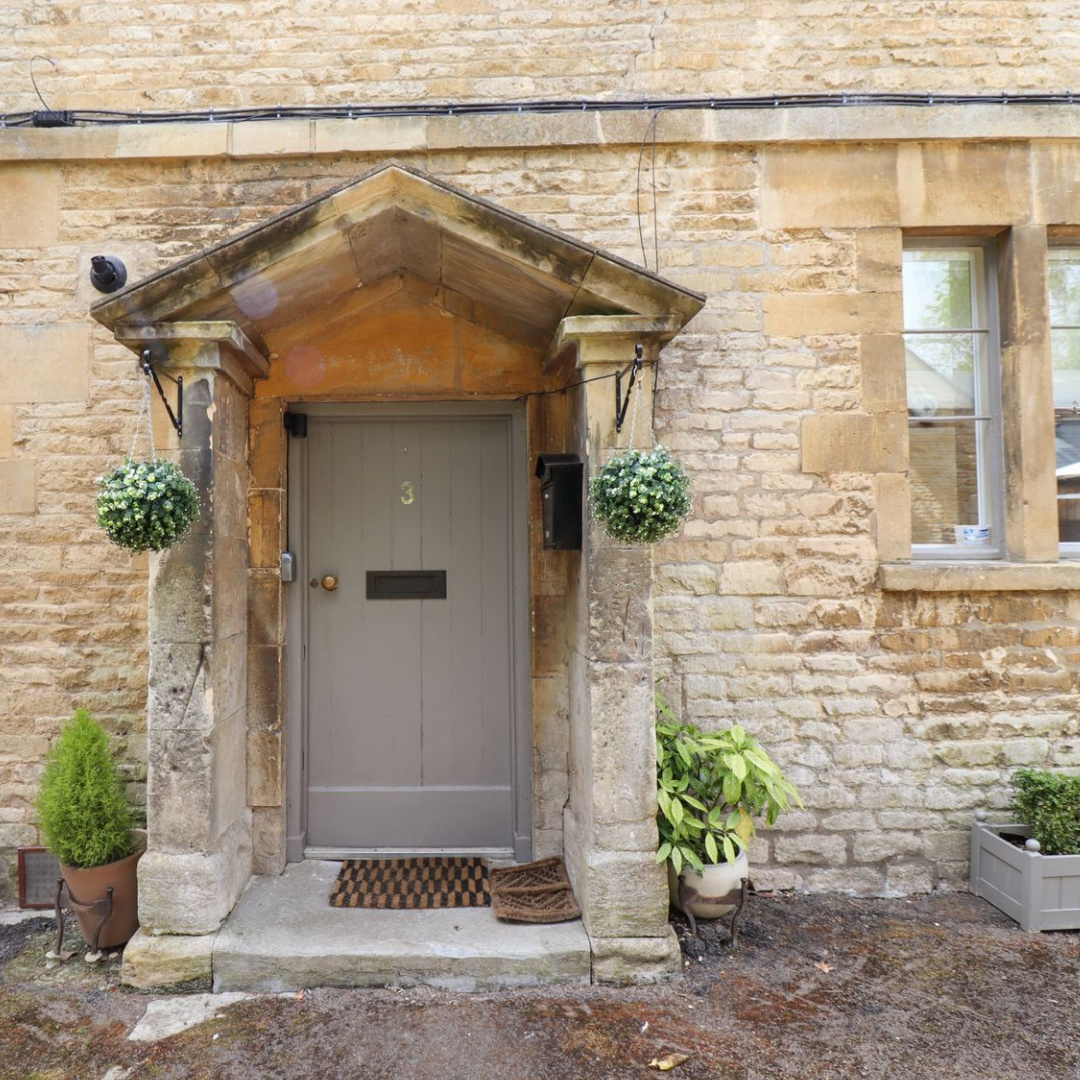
x,y
296,605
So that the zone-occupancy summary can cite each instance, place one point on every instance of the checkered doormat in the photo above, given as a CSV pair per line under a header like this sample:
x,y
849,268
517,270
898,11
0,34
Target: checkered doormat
x,y
427,882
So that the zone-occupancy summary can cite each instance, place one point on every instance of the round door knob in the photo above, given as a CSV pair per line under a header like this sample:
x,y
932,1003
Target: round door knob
x,y
329,583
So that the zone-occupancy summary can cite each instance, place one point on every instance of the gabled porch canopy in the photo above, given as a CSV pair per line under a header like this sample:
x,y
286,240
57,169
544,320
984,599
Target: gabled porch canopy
x,y
393,287
330,258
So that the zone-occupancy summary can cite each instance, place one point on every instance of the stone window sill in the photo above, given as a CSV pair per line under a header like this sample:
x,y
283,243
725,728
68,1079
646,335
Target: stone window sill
x,y
979,576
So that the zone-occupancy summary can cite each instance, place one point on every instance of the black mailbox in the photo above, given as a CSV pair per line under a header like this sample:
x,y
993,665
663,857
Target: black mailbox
x,y
560,492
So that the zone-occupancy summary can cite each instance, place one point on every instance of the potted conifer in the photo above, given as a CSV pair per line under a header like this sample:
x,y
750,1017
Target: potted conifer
x,y
88,825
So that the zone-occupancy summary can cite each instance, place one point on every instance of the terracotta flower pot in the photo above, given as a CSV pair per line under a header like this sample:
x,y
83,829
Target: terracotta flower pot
x,y
89,886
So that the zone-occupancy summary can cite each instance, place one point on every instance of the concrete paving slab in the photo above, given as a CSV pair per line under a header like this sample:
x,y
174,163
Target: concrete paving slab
x,y
284,935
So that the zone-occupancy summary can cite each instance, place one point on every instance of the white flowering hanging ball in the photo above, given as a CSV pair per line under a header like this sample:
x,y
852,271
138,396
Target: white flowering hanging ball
x,y
641,496
146,505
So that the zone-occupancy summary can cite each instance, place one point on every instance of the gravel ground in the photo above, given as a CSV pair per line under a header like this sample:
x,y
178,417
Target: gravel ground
x,y
819,986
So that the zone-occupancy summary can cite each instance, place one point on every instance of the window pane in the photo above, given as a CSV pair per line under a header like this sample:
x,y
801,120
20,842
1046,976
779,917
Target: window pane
x,y
939,290
1067,445
1065,349
943,373
1063,280
944,478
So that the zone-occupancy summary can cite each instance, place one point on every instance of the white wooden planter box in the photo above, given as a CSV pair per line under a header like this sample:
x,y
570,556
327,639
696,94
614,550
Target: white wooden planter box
x,y
1041,892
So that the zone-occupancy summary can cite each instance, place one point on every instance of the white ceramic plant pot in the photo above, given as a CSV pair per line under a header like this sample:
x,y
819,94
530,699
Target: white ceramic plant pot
x,y
702,890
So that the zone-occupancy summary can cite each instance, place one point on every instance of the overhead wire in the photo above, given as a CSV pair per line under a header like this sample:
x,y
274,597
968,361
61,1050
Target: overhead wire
x,y
353,111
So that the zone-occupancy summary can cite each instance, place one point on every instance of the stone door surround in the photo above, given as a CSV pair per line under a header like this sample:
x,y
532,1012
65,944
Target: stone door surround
x,y
393,287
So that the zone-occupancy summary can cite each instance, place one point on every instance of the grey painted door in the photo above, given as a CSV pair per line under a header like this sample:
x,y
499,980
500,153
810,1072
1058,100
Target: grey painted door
x,y
410,701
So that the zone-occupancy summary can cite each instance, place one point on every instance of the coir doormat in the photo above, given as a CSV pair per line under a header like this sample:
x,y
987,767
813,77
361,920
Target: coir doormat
x,y
408,884
537,892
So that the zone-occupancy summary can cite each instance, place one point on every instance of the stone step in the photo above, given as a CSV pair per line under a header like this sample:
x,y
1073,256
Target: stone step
x,y
284,935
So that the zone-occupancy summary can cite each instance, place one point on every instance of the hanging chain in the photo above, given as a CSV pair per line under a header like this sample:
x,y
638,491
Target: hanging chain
x,y
639,408
140,416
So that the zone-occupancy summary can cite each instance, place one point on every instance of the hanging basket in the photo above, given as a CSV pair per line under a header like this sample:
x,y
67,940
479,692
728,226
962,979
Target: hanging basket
x,y
641,496
146,504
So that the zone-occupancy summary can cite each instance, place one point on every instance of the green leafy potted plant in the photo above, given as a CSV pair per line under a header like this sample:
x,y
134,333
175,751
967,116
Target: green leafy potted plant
x,y
640,496
88,825
711,786
1030,868
146,504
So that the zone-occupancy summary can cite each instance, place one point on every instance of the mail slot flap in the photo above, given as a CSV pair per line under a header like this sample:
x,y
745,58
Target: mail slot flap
x,y
406,584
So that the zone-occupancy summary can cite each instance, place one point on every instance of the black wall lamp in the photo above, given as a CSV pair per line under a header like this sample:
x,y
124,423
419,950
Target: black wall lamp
x,y
107,273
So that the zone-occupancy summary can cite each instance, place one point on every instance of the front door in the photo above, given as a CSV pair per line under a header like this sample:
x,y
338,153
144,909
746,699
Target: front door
x,y
410,641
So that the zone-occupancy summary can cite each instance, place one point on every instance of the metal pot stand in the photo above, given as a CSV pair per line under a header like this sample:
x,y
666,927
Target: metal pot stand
x,y
737,896
66,900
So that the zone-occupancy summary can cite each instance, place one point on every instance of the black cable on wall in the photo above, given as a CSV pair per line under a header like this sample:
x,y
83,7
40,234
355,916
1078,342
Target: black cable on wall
x,y
75,117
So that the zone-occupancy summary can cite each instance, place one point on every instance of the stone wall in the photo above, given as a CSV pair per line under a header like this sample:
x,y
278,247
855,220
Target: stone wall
x,y
897,709
141,55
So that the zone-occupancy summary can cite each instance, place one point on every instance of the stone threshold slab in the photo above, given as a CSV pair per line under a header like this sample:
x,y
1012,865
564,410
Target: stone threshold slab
x,y
284,935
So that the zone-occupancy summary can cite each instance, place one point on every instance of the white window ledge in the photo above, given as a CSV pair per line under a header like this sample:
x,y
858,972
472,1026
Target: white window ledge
x,y
979,576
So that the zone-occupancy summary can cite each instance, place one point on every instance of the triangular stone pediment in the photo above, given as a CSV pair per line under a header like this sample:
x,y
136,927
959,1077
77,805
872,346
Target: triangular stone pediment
x,y
400,237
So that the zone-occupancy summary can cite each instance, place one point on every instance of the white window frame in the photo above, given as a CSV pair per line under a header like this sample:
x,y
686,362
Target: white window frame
x,y
1065,550
989,442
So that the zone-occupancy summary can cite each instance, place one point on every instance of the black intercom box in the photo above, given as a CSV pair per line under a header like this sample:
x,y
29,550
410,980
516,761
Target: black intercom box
x,y
560,492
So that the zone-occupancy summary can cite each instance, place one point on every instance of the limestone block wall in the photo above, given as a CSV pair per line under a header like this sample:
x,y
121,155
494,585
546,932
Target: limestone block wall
x,y
147,55
72,607
897,702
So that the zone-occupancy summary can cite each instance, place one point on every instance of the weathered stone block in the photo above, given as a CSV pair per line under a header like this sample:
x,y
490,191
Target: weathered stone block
x,y
266,610
266,528
623,894
288,137
878,258
850,880
229,581
905,879
854,442
623,752
267,447
810,849
754,577
180,589
620,603
875,848
798,315
18,486
268,840
265,686
44,363
821,187
955,184
192,893
883,376
31,217
892,500
631,961
7,431
177,687
265,768
166,962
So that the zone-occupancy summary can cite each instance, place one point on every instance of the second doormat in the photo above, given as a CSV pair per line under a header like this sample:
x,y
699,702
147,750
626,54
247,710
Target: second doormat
x,y
536,892
408,884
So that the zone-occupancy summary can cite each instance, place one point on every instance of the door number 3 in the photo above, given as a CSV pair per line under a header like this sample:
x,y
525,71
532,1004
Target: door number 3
x,y
408,493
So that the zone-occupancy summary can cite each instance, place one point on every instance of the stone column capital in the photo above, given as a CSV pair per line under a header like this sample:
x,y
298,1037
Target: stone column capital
x,y
610,339
218,346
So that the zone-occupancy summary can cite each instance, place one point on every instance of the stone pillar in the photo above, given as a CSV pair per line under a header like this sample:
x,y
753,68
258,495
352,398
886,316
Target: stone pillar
x,y
610,820
198,857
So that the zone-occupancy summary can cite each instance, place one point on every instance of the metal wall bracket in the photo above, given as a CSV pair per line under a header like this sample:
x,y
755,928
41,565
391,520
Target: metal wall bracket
x,y
146,362
634,367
